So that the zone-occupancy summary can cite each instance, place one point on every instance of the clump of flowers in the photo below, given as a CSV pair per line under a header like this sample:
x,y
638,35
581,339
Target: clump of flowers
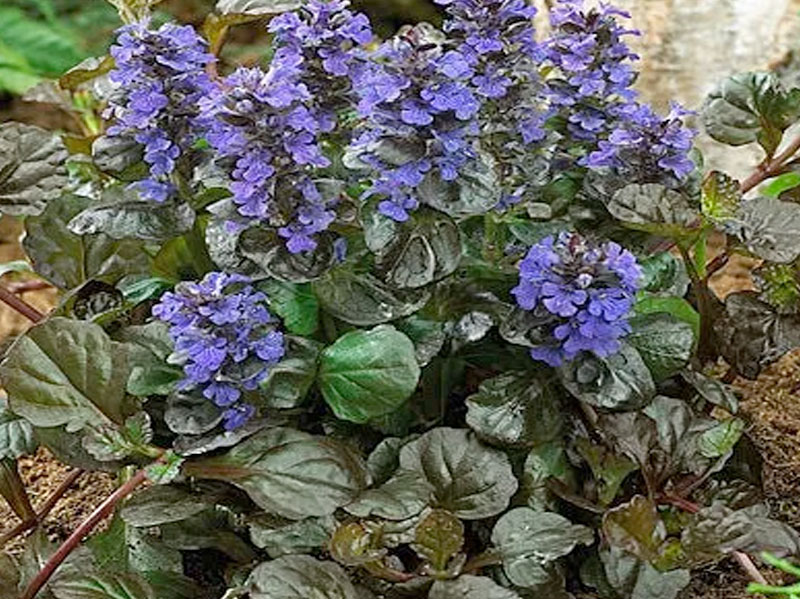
x,y
419,112
268,126
161,76
591,90
225,337
584,291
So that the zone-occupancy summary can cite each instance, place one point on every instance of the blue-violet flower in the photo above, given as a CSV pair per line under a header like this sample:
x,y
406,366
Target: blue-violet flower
x,y
583,293
225,338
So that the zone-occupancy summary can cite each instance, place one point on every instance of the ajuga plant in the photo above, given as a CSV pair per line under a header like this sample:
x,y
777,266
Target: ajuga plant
x,y
422,317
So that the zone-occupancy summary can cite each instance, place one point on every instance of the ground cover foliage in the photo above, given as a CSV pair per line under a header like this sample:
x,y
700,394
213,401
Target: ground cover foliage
x,y
422,317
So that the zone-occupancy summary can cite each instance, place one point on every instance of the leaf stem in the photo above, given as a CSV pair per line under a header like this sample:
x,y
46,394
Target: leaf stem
x,y
48,506
98,515
20,305
770,168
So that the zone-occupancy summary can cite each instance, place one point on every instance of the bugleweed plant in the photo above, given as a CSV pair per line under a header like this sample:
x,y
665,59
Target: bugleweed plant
x,y
422,317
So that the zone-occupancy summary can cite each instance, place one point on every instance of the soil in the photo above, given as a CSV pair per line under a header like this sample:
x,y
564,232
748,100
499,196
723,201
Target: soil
x,y
771,404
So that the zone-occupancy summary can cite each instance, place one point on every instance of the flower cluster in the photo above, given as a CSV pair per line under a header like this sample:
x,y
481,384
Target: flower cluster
x,y
225,338
161,76
494,41
592,92
583,291
268,125
419,112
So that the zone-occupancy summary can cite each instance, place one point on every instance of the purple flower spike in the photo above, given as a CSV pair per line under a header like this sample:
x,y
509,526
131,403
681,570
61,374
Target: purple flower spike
x,y
161,77
225,338
590,288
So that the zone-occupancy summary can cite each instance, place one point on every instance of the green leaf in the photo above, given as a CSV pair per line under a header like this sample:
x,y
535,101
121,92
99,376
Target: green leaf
x,y
166,469
352,544
626,576
151,346
162,504
102,586
721,196
287,472
14,266
208,530
515,409
438,538
268,251
85,71
769,228
543,464
713,391
470,587
16,435
720,440
67,372
476,191
750,107
296,304
32,170
46,49
428,337
413,254
529,540
402,497
111,443
69,260
367,374
299,577
636,527
664,343
718,530
780,184
116,154
385,458
191,414
256,7
620,382
665,275
290,380
363,300
609,470
779,286
655,209
751,334
122,215
469,479
674,306
279,537
183,258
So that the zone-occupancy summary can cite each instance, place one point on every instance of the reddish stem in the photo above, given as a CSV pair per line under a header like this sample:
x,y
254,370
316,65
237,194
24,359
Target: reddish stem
x,y
48,506
26,286
770,168
20,305
98,515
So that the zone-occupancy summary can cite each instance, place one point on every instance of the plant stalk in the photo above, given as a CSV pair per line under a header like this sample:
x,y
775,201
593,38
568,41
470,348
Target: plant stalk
x,y
48,506
770,168
98,515
20,305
